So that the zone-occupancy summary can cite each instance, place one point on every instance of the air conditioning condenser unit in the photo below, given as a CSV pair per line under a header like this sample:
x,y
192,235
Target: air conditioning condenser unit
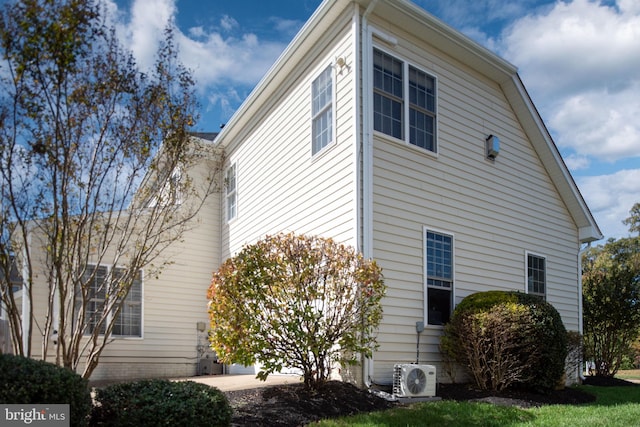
x,y
410,380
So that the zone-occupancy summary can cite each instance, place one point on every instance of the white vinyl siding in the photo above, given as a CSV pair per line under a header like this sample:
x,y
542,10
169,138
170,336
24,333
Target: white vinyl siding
x,y
322,110
173,303
284,189
495,210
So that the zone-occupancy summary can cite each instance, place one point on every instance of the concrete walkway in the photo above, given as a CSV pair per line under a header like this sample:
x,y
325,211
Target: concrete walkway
x,y
243,382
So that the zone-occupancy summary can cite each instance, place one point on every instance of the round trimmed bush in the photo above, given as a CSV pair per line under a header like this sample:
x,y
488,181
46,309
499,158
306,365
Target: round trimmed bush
x,y
508,338
161,403
29,381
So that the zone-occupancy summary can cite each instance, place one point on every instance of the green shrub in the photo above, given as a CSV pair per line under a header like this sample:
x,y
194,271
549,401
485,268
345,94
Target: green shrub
x,y
29,381
507,338
494,344
161,403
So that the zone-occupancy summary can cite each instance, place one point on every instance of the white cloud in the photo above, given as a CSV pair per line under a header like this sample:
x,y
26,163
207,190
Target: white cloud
x,y
228,23
576,162
219,58
580,61
149,18
630,6
288,27
576,45
610,198
600,124
226,100
197,32
479,36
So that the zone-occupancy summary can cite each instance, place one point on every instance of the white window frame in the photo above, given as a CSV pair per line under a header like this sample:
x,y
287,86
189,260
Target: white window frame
x,y
171,192
140,280
231,192
405,101
426,259
15,282
528,254
319,112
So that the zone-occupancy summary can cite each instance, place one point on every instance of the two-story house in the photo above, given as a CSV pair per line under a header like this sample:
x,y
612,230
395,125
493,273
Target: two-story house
x,y
385,129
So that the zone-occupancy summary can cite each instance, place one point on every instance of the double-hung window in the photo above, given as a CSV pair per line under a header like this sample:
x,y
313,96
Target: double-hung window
x,y
401,90
94,311
129,321
536,275
104,283
167,190
322,110
231,192
439,276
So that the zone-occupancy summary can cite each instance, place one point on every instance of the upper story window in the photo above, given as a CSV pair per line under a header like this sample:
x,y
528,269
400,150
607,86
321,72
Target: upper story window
x,y
103,282
439,276
322,110
231,192
166,190
401,90
536,275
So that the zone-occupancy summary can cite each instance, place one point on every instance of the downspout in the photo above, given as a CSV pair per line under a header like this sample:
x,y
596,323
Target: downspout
x,y
580,315
367,158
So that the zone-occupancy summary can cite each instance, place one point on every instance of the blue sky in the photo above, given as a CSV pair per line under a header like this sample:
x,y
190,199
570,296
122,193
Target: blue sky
x,y
579,59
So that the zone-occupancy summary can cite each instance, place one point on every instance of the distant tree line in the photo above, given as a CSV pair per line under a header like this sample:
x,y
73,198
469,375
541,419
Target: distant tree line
x,y
611,300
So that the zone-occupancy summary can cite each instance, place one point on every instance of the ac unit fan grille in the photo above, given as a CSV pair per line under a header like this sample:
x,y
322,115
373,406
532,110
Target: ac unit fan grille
x,y
416,381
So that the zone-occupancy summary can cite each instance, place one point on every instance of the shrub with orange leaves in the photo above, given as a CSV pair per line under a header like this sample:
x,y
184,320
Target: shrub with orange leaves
x,y
296,301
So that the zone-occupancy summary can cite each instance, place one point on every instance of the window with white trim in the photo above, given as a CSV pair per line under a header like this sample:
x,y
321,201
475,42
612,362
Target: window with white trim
x,y
14,279
322,110
100,278
537,275
231,192
439,276
401,90
168,193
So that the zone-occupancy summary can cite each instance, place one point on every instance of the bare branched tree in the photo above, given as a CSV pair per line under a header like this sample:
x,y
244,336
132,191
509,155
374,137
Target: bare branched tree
x,y
97,168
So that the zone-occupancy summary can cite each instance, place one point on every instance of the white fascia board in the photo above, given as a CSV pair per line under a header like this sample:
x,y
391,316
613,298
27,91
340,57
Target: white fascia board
x,y
261,97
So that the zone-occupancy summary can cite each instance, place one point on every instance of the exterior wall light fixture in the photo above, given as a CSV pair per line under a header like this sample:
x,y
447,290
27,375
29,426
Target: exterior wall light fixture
x,y
493,147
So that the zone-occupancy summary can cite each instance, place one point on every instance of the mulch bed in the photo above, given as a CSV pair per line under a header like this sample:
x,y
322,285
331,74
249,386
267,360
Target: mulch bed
x,y
292,405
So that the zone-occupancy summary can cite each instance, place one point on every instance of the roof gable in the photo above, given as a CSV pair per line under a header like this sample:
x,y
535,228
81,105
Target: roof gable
x,y
426,27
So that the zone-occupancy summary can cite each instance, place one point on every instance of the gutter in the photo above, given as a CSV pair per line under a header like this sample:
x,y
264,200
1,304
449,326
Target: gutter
x,y
367,157
580,316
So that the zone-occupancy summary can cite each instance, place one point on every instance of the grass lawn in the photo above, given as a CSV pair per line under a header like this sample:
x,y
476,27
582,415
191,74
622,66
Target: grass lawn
x,y
615,406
